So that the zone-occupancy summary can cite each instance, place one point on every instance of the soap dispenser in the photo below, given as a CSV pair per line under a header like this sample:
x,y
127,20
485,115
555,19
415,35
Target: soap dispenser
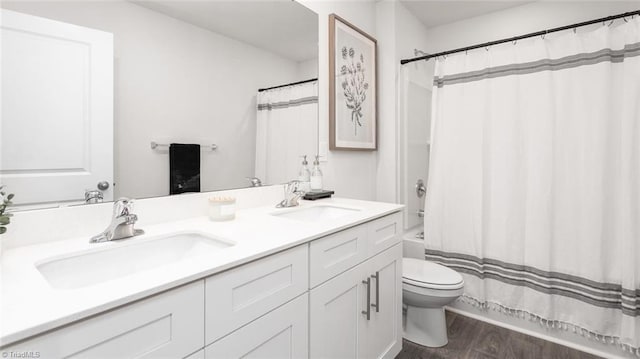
x,y
316,176
304,175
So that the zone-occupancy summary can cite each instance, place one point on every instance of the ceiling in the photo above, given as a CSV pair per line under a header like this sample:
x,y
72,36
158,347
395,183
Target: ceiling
x,y
436,13
285,27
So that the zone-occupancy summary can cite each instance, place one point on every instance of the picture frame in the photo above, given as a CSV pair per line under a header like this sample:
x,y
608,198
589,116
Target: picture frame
x,y
353,115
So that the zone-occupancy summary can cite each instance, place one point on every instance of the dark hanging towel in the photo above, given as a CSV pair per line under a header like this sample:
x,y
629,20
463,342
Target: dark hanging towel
x,y
184,168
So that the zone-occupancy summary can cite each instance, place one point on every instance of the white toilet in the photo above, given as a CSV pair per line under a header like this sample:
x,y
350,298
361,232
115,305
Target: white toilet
x,y
426,288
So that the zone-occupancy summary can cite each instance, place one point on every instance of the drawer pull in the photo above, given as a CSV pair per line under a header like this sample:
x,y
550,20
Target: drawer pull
x,y
377,278
368,311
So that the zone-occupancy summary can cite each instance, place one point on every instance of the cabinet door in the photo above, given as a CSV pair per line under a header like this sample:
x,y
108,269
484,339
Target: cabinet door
x,y
282,333
384,330
337,324
168,325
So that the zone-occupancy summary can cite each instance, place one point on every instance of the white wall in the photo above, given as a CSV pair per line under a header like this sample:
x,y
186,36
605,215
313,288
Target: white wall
x,y
175,82
349,173
307,70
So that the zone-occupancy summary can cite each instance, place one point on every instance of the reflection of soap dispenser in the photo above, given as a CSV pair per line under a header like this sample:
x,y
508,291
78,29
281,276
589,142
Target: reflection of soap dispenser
x,y
304,175
316,176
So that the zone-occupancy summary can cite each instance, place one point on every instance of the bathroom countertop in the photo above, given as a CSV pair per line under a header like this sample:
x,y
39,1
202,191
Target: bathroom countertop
x,y
30,306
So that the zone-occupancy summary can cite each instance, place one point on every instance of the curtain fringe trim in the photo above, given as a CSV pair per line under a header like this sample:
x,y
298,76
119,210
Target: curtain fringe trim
x,y
550,323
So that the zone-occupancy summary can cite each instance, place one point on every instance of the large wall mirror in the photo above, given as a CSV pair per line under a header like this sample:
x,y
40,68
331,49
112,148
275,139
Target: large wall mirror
x,y
94,94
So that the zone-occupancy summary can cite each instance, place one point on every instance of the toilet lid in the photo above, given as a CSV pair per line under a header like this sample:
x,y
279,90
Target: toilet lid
x,y
427,274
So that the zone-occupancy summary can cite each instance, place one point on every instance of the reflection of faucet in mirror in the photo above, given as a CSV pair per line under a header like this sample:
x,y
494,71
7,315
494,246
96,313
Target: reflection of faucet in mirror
x,y
255,181
292,194
93,196
121,224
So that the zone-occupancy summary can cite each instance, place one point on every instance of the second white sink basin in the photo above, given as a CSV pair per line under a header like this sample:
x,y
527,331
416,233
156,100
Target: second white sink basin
x,y
95,266
316,213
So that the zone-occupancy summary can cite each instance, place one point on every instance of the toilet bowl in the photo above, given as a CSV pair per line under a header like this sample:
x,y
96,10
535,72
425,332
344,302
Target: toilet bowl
x,y
426,288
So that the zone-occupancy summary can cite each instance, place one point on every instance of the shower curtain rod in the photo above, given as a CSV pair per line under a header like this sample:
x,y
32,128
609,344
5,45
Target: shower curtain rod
x,y
291,84
516,38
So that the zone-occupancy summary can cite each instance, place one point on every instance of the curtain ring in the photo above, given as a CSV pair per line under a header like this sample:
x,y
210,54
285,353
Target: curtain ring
x,y
575,30
625,19
611,23
487,48
515,42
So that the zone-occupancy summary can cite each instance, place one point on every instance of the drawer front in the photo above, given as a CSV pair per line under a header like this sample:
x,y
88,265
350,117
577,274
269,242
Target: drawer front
x,y
240,295
332,255
384,233
282,333
168,325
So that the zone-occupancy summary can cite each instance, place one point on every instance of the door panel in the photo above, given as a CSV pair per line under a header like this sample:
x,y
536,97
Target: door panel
x,y
384,335
337,323
56,136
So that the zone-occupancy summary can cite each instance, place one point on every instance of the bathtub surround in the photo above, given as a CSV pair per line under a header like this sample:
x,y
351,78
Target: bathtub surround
x,y
532,179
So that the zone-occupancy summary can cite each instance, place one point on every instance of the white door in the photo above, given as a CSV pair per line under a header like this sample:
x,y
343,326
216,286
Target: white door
x,y
384,331
337,325
56,133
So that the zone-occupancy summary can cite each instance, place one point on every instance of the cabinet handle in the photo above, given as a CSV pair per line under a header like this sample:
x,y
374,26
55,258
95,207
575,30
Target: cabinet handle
x,y
377,278
368,311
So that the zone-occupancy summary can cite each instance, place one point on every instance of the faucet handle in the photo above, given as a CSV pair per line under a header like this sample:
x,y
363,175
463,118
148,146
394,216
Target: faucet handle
x,y
122,207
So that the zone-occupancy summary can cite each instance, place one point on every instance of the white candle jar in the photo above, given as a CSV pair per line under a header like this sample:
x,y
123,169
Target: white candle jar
x,y
222,208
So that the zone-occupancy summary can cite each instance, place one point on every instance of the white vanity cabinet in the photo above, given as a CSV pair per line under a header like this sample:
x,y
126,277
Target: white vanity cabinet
x,y
338,296
357,314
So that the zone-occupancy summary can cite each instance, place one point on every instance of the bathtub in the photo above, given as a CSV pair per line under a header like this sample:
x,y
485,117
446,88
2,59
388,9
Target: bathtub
x,y
413,247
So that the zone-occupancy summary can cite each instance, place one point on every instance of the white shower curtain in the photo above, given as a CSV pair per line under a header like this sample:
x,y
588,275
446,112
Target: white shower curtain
x,y
534,182
287,128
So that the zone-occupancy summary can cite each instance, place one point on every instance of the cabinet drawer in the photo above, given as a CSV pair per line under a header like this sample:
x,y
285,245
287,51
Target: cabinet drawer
x,y
168,325
384,233
240,295
332,255
282,333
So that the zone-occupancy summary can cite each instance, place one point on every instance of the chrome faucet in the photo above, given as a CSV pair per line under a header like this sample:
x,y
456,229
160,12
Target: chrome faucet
x,y
93,196
254,181
121,224
291,195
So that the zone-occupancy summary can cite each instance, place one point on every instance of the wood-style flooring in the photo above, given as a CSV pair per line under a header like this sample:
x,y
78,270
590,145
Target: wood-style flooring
x,y
473,339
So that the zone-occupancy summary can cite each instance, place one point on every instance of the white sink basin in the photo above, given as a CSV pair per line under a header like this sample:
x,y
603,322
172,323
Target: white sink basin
x,y
317,213
95,266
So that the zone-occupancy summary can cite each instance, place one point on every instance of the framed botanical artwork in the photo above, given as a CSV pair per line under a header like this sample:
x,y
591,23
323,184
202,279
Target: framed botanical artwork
x,y
352,87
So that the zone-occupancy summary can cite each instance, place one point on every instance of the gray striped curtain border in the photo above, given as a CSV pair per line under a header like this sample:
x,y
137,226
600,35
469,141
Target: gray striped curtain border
x,y
604,55
286,104
601,294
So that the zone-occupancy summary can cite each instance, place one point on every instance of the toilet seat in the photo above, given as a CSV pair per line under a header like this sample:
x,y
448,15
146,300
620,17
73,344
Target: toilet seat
x,y
429,275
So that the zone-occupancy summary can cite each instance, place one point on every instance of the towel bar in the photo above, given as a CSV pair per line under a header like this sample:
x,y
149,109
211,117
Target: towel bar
x,y
155,145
